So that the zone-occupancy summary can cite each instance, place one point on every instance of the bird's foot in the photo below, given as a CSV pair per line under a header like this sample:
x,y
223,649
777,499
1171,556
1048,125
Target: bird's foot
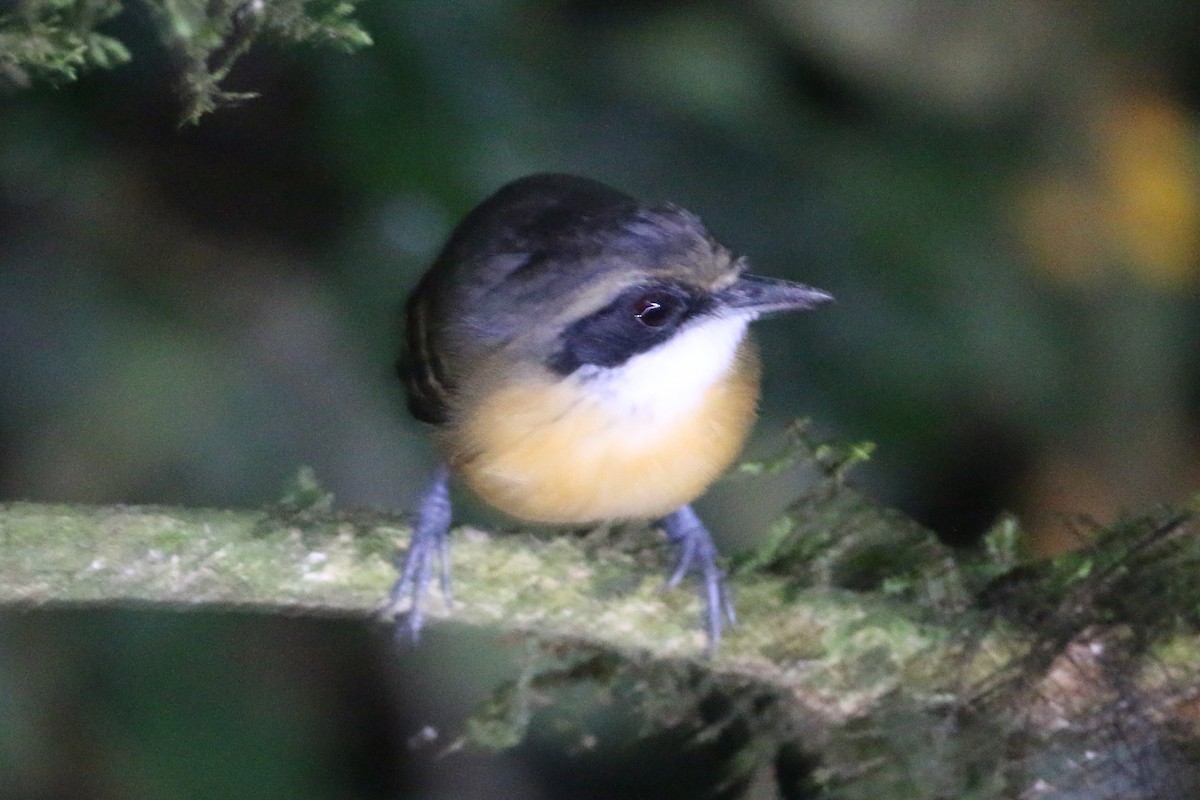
x,y
430,542
698,554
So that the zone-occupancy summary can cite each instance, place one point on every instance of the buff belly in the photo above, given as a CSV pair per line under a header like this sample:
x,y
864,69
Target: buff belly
x,y
555,453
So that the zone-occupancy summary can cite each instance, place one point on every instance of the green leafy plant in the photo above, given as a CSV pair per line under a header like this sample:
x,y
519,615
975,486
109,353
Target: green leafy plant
x,y
56,41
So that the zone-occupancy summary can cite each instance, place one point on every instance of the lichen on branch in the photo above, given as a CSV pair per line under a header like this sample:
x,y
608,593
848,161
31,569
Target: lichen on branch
x,y
887,664
206,37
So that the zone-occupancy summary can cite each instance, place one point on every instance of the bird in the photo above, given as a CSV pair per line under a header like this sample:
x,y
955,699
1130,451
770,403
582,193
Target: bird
x,y
582,358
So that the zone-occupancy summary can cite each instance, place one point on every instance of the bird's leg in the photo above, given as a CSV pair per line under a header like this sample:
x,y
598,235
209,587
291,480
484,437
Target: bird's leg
x,y
430,540
697,552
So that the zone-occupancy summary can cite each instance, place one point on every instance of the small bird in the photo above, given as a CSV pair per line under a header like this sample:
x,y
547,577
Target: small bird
x,y
583,358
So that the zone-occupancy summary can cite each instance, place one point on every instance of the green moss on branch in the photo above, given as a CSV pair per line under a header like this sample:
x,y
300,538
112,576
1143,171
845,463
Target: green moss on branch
x,y
922,675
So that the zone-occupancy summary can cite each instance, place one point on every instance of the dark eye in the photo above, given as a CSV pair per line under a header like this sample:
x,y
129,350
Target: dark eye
x,y
655,309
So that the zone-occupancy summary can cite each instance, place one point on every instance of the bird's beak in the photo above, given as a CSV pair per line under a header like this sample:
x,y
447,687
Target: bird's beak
x,y
757,296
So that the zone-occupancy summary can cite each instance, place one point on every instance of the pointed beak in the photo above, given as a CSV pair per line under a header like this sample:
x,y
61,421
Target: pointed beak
x,y
758,296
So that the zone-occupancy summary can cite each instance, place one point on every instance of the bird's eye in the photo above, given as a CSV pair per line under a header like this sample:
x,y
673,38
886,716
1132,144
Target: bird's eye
x,y
655,309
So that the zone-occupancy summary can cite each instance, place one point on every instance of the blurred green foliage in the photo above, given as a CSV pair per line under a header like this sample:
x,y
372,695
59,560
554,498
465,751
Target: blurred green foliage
x,y
56,40
1002,196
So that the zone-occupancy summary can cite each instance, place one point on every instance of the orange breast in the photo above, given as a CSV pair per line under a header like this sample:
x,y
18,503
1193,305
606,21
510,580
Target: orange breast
x,y
555,452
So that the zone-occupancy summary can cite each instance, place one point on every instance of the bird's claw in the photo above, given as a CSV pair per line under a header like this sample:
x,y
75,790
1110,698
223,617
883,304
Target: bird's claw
x,y
698,553
430,542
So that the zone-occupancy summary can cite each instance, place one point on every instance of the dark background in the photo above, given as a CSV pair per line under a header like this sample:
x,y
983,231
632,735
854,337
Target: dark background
x,y
1003,196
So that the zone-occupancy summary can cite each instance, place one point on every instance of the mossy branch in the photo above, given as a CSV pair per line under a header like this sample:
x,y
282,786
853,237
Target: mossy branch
x,y
58,40
206,37
866,648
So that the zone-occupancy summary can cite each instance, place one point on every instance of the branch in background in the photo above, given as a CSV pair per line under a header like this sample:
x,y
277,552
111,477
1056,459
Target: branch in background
x,y
57,40
206,37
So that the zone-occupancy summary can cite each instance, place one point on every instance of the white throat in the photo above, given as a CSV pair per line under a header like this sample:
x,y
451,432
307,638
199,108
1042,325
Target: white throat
x,y
670,379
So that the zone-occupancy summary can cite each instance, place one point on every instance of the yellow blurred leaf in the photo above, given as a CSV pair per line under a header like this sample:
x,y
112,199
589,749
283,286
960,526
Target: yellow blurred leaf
x,y
1132,202
1149,169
